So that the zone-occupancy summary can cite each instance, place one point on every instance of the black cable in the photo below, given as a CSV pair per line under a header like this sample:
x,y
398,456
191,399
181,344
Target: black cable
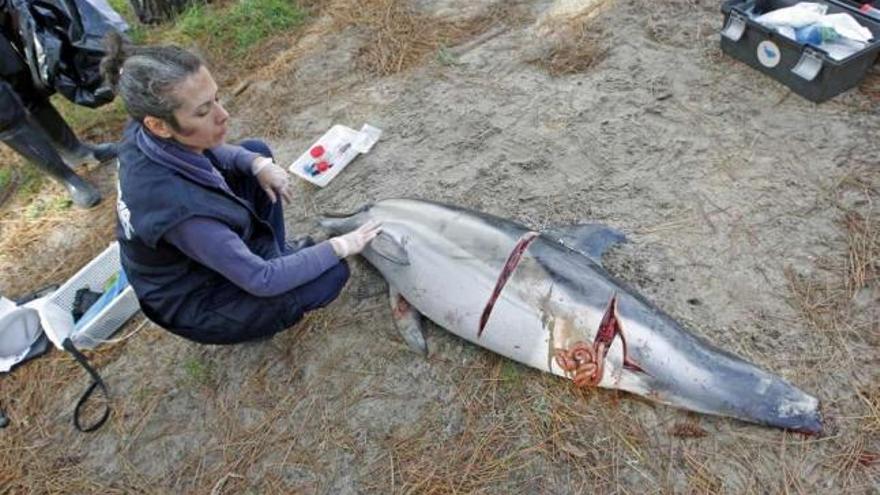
x,y
97,382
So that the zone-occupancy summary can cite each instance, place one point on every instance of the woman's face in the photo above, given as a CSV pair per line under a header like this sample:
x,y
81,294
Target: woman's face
x,y
202,119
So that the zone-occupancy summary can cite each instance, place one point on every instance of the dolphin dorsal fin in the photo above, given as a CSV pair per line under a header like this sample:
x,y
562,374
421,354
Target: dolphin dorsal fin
x,y
390,248
590,239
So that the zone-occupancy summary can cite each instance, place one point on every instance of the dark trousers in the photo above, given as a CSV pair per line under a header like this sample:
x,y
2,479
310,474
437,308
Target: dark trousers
x,y
230,315
16,88
17,91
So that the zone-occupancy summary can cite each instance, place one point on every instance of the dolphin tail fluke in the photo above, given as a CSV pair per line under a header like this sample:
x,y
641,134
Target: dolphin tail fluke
x,y
408,322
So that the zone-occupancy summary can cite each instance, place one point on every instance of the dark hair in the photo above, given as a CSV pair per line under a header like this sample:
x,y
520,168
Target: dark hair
x,y
145,77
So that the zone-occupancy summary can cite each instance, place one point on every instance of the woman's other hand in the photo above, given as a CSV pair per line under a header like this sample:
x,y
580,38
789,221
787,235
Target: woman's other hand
x,y
273,179
355,241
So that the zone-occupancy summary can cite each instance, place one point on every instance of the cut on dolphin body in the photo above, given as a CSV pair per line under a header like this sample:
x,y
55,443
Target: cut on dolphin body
x,y
544,300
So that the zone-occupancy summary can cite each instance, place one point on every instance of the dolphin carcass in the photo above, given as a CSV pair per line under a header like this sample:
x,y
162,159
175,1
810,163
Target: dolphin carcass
x,y
544,300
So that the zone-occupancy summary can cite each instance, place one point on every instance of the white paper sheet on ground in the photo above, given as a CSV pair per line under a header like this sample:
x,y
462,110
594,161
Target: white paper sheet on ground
x,y
19,330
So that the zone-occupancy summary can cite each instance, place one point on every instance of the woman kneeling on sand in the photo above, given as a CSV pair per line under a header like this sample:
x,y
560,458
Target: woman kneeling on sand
x,y
201,228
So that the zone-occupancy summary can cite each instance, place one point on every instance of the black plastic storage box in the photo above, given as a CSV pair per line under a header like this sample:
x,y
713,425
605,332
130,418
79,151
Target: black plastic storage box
x,y
806,69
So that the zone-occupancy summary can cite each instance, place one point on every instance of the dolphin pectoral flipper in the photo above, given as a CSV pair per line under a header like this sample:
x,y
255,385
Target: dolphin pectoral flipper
x,y
590,239
408,322
393,250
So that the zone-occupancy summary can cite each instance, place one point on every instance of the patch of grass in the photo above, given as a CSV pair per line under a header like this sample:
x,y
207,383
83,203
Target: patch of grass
x,y
19,174
31,181
580,48
8,182
511,373
572,38
198,372
446,57
241,25
94,124
138,33
49,205
120,6
400,37
5,176
143,394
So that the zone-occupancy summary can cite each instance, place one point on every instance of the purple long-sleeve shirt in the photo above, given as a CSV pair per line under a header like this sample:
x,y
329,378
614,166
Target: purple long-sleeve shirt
x,y
215,245
234,157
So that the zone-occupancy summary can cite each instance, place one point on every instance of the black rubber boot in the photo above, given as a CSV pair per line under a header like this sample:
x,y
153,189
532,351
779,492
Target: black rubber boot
x,y
71,149
29,141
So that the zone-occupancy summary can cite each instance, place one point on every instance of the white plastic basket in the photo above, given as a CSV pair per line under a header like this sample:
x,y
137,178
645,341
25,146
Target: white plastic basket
x,y
93,276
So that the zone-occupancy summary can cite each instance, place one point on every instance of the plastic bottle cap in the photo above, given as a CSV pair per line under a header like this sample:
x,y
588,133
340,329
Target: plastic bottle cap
x,y
316,151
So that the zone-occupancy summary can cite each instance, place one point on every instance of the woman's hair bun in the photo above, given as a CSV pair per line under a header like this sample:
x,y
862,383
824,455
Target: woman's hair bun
x,y
111,65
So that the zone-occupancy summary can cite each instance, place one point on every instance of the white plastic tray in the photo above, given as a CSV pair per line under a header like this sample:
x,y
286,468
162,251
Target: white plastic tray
x,y
342,145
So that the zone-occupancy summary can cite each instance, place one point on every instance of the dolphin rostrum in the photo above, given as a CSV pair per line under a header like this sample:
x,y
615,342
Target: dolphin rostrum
x,y
544,300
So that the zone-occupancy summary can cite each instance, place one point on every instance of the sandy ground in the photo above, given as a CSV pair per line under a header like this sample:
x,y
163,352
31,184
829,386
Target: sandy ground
x,y
731,190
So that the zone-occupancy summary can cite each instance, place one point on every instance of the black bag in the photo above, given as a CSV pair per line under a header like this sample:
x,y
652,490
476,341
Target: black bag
x,y
62,43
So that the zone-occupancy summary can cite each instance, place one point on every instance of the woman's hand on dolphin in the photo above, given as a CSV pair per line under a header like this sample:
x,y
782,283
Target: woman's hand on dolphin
x,y
273,179
355,241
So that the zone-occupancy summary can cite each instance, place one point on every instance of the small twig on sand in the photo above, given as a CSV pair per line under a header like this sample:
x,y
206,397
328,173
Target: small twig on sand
x,y
222,481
